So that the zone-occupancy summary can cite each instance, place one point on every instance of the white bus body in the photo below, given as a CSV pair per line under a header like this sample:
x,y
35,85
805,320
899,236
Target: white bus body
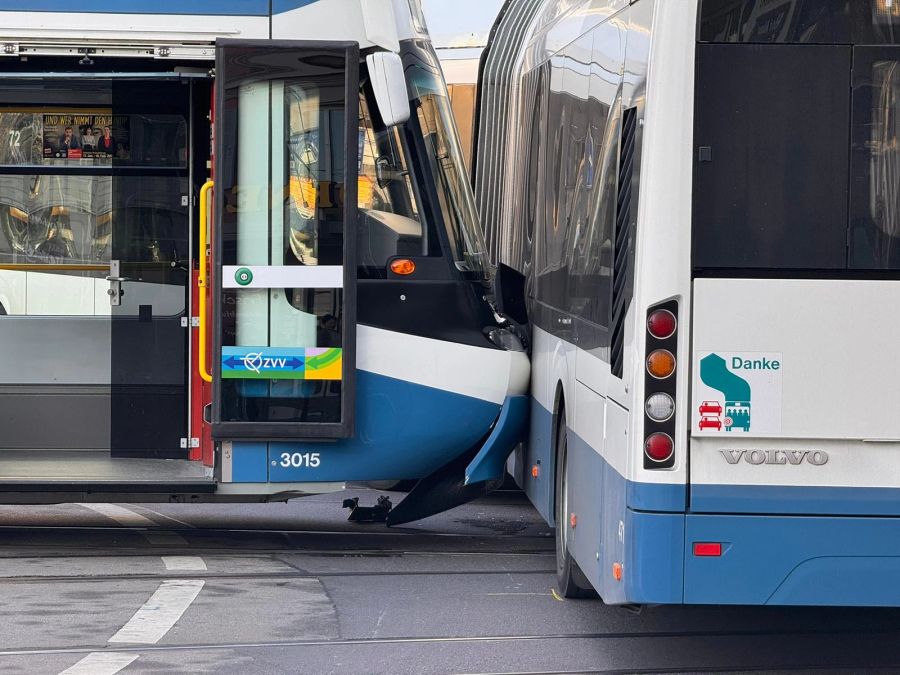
x,y
650,161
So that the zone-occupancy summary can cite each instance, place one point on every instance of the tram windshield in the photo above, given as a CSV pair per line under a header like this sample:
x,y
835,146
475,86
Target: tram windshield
x,y
434,116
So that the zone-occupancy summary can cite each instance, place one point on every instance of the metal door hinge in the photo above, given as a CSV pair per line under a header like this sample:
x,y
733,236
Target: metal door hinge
x,y
195,322
190,442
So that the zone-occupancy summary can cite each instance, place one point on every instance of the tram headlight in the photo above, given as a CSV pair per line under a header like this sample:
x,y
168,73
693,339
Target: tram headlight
x,y
659,407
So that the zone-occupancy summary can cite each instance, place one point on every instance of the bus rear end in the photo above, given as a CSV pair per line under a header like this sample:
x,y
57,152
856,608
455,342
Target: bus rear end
x,y
794,448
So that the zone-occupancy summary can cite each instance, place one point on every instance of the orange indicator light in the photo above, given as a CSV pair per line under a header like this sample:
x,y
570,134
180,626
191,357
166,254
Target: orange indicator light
x,y
661,363
617,571
403,266
535,471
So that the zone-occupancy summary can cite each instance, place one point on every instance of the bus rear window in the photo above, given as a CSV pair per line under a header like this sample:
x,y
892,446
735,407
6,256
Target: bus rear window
x,y
797,158
801,21
772,127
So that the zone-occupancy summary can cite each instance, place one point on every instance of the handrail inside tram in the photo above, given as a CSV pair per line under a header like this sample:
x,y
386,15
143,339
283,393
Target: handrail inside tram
x,y
202,365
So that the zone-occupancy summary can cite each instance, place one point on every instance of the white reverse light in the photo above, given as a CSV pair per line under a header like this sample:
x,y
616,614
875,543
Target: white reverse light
x,y
660,407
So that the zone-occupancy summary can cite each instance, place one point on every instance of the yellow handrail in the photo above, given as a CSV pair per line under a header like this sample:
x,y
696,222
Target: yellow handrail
x,y
202,366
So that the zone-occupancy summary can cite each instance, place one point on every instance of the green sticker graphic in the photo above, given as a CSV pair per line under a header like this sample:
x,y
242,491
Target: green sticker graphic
x,y
243,276
714,373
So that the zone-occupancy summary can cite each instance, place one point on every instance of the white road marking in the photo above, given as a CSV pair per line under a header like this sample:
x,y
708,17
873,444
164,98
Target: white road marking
x,y
157,616
121,515
130,518
184,563
101,663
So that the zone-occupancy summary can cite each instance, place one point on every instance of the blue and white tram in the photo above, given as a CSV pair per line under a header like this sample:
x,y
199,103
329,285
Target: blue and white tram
x,y
324,316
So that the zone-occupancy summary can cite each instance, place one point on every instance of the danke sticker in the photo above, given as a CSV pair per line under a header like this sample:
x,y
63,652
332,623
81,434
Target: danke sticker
x,y
737,392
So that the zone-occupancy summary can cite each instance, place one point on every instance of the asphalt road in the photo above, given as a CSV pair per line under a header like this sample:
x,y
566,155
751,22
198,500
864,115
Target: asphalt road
x,y
295,588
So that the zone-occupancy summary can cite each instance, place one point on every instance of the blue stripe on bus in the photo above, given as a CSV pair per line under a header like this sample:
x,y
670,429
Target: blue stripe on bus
x,y
403,431
76,7
785,499
793,560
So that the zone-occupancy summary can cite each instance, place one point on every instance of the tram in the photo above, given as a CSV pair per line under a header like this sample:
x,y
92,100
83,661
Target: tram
x,y
240,259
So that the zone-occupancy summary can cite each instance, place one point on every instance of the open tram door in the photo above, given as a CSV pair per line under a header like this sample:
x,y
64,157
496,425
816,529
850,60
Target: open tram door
x,y
282,272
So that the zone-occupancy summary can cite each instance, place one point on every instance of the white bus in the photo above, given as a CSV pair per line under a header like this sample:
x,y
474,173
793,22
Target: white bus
x,y
703,197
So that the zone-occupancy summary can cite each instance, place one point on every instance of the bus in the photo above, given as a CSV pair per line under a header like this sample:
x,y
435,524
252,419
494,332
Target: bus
x,y
701,201
239,258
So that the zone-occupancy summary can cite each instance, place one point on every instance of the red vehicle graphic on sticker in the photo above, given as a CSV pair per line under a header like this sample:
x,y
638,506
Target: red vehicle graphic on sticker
x,y
710,408
710,422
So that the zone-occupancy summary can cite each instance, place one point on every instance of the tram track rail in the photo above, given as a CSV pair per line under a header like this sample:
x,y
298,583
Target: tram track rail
x,y
251,576
476,639
223,541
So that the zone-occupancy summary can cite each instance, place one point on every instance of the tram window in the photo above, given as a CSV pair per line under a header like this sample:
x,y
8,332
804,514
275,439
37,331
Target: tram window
x,y
79,138
434,117
390,223
58,233
801,21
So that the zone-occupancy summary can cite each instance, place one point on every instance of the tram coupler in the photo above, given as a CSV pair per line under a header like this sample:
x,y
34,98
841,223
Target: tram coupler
x,y
368,514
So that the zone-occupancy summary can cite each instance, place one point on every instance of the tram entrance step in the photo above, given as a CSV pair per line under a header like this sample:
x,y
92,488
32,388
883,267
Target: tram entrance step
x,y
94,466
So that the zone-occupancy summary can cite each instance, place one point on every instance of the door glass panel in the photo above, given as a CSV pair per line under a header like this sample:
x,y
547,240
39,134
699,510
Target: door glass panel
x,y
94,263
281,191
56,234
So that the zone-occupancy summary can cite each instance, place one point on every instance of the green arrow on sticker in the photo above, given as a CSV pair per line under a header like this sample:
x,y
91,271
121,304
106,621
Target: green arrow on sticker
x,y
243,276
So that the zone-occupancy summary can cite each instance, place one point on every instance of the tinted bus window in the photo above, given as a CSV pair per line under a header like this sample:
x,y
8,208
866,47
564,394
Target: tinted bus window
x,y
771,157
875,170
800,21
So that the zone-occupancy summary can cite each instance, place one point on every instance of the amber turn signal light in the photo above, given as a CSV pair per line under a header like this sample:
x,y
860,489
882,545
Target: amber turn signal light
x,y
403,266
661,363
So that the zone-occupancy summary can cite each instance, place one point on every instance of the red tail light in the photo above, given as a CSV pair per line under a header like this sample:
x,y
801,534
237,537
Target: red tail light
x,y
661,324
659,446
707,549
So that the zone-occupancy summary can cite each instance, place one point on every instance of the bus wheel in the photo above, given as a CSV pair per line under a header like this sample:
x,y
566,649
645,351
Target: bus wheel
x,y
569,578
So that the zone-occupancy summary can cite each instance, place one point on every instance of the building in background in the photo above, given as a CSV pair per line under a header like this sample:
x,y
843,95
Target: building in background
x,y
460,30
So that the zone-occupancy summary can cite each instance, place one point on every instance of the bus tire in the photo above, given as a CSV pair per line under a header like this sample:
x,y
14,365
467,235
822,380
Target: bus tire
x,y
570,580
2,310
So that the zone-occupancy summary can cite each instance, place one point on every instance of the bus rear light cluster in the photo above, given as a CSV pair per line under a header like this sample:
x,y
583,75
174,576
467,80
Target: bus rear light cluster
x,y
659,386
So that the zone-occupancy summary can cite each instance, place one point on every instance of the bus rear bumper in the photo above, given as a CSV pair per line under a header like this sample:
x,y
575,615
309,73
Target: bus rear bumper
x,y
793,560
764,560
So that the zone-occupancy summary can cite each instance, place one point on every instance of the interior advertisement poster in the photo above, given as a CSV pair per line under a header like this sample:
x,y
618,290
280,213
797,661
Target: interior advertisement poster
x,y
85,135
